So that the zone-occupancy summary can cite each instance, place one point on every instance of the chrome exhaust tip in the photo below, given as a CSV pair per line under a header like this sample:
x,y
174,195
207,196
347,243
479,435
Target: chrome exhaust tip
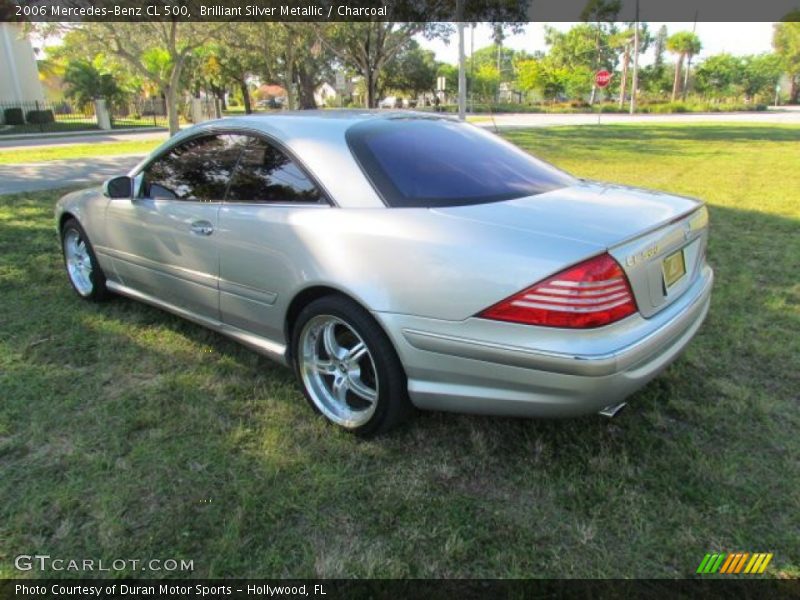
x,y
612,410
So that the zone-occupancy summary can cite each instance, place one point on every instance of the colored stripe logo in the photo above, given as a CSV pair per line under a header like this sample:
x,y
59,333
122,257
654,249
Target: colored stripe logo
x,y
734,563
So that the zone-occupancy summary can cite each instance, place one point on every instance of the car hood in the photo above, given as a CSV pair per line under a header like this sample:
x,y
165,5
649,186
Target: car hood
x,y
588,212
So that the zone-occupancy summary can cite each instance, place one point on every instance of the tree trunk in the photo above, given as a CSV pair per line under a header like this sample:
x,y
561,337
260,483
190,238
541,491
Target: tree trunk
x,y
794,90
371,89
221,95
596,64
290,96
171,94
626,57
676,84
248,107
172,110
305,89
687,70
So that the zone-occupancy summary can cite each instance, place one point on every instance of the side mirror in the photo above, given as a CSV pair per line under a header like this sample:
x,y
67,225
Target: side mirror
x,y
118,187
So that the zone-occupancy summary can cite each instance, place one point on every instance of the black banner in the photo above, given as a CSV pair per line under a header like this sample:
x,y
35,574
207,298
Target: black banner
x,y
239,589
392,10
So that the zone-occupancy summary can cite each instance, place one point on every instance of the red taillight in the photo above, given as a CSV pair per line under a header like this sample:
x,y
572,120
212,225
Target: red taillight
x,y
591,294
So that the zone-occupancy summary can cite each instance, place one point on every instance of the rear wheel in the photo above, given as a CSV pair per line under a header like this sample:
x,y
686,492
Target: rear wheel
x,y
348,368
83,270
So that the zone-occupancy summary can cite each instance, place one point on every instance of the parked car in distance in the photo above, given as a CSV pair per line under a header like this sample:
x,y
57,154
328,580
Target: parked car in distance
x,y
392,102
397,260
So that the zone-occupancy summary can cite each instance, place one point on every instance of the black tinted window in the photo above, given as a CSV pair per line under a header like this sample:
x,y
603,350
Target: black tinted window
x,y
266,174
426,162
199,169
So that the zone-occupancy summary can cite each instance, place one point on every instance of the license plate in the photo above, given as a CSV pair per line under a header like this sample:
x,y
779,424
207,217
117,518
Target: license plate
x,y
674,267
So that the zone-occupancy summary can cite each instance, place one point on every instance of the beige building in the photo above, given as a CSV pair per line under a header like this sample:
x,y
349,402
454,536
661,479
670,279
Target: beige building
x,y
19,75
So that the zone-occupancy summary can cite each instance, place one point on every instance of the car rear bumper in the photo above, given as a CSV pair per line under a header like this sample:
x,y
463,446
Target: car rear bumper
x,y
499,368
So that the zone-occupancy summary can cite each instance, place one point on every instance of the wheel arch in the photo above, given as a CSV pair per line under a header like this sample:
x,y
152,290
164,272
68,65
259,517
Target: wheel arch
x,y
63,218
308,295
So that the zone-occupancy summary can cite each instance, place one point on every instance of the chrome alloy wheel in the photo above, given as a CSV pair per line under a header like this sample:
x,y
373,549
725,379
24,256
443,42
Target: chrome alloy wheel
x,y
79,263
338,371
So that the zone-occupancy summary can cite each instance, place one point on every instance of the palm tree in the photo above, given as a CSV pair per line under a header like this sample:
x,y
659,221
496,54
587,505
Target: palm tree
x,y
85,84
623,41
682,44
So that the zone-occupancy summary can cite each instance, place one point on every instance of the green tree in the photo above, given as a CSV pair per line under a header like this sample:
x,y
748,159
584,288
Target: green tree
x,y
85,84
577,47
529,75
412,71
760,74
314,63
203,72
624,41
583,49
682,44
156,51
486,83
578,82
603,13
76,48
450,74
786,41
287,53
541,75
660,45
367,47
502,59
656,78
717,76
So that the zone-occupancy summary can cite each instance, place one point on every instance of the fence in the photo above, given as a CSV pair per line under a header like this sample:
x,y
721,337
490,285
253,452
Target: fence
x,y
38,117
140,112
35,117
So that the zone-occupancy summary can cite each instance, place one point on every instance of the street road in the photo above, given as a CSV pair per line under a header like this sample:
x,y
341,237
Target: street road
x,y
62,173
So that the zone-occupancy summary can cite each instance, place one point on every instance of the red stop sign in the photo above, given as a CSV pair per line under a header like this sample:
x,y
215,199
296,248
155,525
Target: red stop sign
x,y
602,78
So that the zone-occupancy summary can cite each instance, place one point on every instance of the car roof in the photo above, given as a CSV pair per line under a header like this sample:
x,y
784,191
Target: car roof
x,y
321,120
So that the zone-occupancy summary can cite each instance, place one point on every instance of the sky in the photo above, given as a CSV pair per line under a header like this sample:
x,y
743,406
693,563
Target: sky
x,y
736,38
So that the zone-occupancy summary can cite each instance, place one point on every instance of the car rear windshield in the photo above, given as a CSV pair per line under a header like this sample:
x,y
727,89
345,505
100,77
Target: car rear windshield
x,y
419,162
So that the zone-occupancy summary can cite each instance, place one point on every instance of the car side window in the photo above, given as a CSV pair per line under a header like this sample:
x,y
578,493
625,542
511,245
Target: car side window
x,y
266,174
197,170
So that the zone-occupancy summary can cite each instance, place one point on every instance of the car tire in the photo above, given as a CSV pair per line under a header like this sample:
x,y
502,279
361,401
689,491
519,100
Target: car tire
x,y
348,368
83,271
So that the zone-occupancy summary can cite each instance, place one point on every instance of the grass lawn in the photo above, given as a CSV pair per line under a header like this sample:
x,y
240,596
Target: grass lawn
x,y
126,432
69,151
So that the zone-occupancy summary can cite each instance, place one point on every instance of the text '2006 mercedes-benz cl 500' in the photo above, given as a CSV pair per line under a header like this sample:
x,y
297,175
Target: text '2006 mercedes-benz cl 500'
x,y
398,260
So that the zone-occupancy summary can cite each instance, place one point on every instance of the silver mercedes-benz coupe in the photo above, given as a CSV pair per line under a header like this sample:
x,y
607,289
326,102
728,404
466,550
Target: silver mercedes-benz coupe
x,y
399,260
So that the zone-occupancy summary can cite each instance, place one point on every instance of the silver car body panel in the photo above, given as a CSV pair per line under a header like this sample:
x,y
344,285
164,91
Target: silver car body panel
x,y
423,273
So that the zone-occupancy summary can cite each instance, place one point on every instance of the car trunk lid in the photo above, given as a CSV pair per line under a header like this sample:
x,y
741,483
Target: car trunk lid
x,y
639,228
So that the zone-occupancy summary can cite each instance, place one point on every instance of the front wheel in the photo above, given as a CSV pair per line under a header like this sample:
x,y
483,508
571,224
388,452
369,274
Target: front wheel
x,y
83,270
348,368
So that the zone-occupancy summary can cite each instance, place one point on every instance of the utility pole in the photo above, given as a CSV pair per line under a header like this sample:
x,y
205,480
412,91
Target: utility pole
x,y
635,78
689,60
462,68
472,66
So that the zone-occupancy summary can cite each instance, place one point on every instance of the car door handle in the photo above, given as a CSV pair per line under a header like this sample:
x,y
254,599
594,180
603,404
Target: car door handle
x,y
202,228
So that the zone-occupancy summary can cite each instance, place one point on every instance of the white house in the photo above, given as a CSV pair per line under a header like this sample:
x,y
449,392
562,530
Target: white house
x,y
19,75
